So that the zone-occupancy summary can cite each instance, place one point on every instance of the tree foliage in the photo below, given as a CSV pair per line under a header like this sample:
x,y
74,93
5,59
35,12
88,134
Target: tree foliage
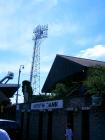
x,y
6,102
26,85
95,81
59,90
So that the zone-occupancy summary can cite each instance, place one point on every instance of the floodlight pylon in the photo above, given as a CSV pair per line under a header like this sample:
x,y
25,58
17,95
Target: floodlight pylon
x,y
40,32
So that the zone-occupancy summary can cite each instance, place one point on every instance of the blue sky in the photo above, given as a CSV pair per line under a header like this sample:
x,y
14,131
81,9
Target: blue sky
x,y
75,28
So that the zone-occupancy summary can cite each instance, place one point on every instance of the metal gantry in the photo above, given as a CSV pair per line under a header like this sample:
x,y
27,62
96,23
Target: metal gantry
x,y
8,77
40,32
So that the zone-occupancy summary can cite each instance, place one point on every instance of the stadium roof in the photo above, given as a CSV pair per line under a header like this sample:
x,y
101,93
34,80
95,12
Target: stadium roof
x,y
65,66
8,89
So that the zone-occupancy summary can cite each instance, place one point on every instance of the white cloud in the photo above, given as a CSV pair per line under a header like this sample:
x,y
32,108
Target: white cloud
x,y
99,38
48,3
14,67
5,67
83,41
45,68
16,38
59,29
49,59
95,52
46,62
52,3
8,8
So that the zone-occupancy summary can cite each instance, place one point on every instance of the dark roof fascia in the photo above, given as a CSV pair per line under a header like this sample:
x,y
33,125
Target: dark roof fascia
x,y
9,89
83,61
59,73
9,85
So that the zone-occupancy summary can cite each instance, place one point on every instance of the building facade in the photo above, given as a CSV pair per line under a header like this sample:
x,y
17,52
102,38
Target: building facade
x,y
87,122
47,119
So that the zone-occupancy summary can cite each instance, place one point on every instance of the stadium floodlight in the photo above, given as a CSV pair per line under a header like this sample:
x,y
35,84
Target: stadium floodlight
x,y
40,33
10,75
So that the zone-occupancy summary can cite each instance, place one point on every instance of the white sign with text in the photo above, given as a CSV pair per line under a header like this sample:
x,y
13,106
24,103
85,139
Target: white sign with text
x,y
47,105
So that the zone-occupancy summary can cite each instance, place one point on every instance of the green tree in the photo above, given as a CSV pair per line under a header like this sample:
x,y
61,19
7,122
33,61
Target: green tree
x,y
59,90
26,86
95,81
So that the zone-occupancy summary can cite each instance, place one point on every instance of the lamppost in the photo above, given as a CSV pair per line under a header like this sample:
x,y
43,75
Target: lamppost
x,y
21,67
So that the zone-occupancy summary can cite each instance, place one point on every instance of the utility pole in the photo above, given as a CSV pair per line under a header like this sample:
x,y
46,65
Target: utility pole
x,y
17,94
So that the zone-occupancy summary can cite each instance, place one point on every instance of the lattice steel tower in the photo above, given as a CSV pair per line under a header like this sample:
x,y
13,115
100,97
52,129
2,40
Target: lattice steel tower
x,y
40,32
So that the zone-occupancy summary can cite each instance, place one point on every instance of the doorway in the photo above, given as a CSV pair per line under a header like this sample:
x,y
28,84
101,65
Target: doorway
x,y
70,118
49,127
85,125
22,124
40,125
28,125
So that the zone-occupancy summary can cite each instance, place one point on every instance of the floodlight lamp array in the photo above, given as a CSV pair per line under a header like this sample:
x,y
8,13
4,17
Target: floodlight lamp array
x,y
40,32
